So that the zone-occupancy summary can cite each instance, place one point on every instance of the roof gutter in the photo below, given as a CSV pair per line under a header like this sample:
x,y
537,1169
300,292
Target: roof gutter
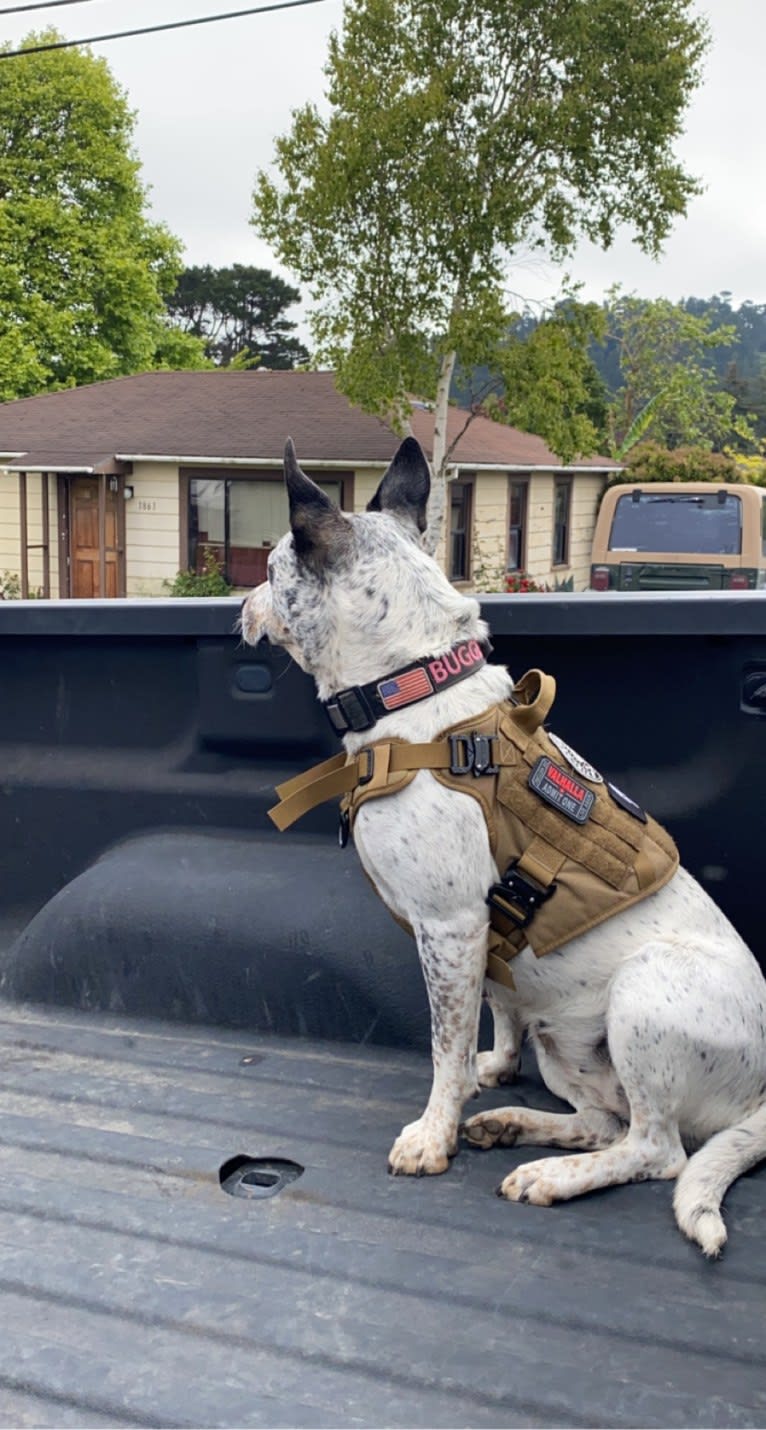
x,y
54,468
344,465
269,462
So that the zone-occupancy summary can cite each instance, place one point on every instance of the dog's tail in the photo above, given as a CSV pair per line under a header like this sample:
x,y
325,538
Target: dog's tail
x,y
705,1179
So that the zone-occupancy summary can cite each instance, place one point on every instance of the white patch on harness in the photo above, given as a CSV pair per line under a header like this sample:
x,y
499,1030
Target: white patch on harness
x,y
576,761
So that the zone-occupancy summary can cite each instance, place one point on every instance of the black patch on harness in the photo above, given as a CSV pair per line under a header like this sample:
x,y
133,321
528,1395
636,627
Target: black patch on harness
x,y
558,788
625,802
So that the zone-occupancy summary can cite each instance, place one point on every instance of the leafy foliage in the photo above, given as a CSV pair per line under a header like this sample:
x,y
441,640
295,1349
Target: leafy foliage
x,y
238,314
84,271
10,586
210,581
653,463
458,135
548,382
668,388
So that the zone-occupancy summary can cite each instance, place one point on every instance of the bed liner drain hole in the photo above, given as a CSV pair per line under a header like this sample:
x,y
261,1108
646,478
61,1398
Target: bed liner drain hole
x,y
257,1177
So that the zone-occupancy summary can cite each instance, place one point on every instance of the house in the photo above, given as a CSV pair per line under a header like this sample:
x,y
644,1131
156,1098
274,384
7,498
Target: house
x,y
113,488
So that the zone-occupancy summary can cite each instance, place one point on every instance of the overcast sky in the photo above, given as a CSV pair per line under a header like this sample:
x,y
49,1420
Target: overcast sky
x,y
211,99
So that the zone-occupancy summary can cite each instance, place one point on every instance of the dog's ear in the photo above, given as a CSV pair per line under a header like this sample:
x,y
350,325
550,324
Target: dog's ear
x,y
404,490
321,535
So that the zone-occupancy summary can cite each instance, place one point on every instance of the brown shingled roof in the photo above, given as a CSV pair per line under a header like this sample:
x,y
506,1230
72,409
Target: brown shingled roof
x,y
246,415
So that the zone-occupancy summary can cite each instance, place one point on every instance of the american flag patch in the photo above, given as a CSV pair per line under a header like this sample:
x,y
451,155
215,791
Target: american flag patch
x,y
403,689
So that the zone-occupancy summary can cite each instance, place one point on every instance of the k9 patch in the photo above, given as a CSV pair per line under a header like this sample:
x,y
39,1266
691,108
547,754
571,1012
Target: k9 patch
x,y
558,788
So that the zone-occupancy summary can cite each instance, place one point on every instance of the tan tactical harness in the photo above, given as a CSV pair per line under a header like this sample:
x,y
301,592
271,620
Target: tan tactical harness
x,y
561,877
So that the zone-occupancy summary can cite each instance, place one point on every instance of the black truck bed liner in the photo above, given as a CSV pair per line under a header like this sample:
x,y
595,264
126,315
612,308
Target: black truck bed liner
x,y
134,1291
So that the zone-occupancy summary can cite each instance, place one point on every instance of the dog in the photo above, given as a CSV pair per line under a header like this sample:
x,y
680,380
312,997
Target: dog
x,y
652,1026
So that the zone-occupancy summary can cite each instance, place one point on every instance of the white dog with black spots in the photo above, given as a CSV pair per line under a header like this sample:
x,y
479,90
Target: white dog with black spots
x,y
651,1026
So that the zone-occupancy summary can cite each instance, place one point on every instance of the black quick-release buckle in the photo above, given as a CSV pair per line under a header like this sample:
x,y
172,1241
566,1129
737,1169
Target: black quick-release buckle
x,y
517,897
472,754
350,710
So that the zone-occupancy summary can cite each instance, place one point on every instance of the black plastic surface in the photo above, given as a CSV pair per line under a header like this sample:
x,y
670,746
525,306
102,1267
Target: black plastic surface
x,y
138,759
133,1291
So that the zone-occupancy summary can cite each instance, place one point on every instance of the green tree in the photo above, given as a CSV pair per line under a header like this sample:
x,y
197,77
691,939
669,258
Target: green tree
x,y
83,270
670,391
456,136
239,314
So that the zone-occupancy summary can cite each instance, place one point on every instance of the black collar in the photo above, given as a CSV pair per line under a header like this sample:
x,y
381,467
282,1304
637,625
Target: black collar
x,y
361,706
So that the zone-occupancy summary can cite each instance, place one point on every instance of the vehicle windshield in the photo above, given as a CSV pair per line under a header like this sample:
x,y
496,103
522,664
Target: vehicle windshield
x,y
708,524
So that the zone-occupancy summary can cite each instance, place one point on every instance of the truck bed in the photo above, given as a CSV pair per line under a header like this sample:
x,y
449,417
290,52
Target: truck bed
x,y
135,1292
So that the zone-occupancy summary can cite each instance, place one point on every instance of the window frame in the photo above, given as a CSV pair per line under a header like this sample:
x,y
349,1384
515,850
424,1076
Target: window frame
x,y
523,483
566,484
464,483
186,475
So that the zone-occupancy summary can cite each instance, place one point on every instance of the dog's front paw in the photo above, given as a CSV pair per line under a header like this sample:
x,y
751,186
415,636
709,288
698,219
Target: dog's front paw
x,y
420,1151
494,1068
533,1182
490,1129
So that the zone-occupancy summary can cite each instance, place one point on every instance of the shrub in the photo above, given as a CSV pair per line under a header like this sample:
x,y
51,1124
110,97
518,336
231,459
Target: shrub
x,y
210,581
10,586
651,463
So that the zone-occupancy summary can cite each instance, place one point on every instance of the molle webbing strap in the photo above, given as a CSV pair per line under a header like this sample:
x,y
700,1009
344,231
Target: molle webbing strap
x,y
343,774
326,781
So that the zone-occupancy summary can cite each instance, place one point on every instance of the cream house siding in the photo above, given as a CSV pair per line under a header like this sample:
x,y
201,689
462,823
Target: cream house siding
x,y
10,559
366,483
586,497
152,528
10,534
490,527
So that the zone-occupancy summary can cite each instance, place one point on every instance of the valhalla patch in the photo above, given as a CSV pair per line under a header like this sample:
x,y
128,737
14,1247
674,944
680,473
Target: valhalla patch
x,y
558,788
588,771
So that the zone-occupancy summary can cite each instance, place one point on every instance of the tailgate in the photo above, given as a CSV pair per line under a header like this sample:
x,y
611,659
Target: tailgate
x,y
134,1291
660,577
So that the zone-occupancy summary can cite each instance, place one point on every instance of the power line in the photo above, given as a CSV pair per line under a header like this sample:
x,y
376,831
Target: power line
x,y
46,5
153,29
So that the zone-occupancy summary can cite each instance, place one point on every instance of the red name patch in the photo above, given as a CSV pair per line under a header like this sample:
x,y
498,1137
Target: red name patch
x,y
463,657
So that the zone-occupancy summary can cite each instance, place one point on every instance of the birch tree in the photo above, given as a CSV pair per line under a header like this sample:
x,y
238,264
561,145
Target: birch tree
x,y
454,137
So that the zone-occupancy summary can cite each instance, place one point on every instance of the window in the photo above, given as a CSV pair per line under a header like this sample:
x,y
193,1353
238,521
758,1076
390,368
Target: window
x,y
240,520
517,526
562,504
460,531
705,524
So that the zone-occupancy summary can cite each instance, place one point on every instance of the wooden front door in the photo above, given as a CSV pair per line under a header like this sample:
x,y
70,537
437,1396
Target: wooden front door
x,y
84,538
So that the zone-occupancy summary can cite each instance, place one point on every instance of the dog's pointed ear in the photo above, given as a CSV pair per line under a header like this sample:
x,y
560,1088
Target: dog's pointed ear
x,y
320,533
405,488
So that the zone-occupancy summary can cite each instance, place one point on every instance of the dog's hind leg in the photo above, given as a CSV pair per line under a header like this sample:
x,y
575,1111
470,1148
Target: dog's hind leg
x,y
501,1063
647,1058
453,957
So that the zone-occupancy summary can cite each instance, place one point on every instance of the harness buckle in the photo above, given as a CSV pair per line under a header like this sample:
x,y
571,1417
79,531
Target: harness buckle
x,y
517,898
370,770
472,754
